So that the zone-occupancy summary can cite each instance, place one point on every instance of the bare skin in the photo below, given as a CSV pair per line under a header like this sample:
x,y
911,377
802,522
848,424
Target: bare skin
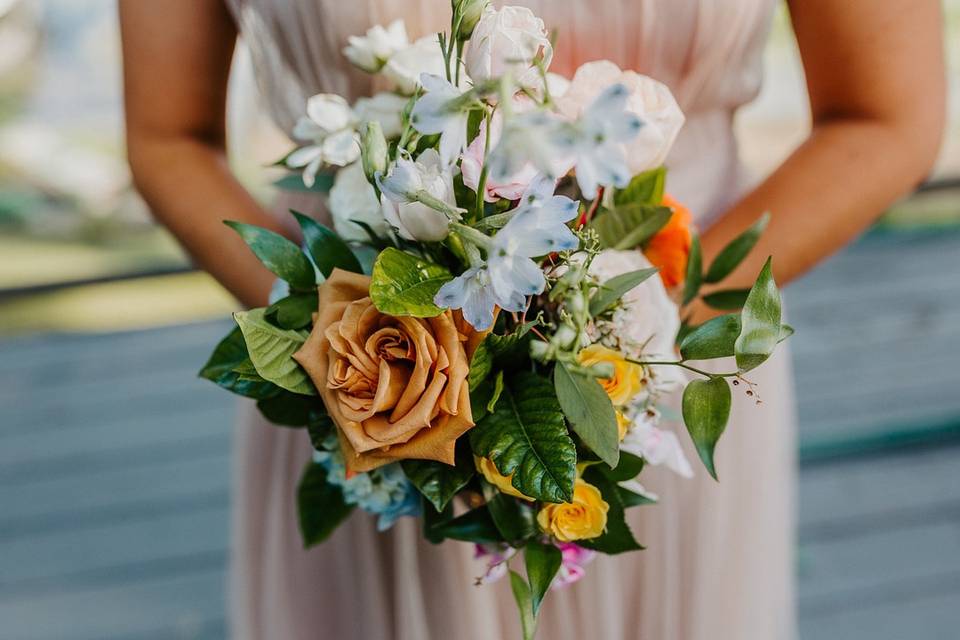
x,y
874,72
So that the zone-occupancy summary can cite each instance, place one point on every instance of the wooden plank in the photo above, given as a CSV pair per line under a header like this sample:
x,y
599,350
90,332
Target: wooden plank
x,y
188,606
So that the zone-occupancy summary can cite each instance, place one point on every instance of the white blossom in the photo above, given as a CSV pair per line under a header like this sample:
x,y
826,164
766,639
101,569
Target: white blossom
x,y
403,187
656,446
371,52
406,66
329,136
440,111
385,108
510,39
353,199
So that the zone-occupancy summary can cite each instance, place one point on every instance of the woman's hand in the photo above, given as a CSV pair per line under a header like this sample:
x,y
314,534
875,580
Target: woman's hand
x,y
875,76
176,56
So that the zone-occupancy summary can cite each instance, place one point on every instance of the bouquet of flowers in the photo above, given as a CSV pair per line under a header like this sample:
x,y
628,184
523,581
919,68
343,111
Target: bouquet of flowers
x,y
497,322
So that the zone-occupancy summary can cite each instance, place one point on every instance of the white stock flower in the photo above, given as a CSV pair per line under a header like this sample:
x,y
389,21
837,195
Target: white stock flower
x,y
353,199
406,66
371,52
385,108
648,99
412,219
511,38
437,111
328,131
656,446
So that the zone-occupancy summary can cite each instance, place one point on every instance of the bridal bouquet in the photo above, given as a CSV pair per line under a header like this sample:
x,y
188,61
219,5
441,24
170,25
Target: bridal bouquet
x,y
497,322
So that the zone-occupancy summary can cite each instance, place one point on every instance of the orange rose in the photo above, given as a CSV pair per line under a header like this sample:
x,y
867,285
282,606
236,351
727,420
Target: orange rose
x,y
670,247
396,387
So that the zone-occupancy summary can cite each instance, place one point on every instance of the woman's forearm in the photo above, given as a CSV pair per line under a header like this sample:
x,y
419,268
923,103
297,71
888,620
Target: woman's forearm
x,y
826,193
189,187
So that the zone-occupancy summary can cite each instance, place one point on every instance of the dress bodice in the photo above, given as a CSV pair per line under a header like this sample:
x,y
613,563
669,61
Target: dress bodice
x,y
707,51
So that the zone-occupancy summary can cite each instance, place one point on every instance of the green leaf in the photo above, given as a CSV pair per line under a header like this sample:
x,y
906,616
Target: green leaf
x,y
481,365
320,427
629,468
527,436
293,312
542,562
278,254
497,390
521,593
617,538
473,526
320,505
294,182
629,226
289,409
271,350
706,409
733,254
694,277
326,248
438,482
230,354
615,288
404,285
480,399
496,349
760,322
713,339
432,520
785,332
645,188
631,499
513,520
727,300
590,412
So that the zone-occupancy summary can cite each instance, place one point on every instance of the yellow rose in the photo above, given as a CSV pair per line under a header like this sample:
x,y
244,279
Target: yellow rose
x,y
492,475
396,387
584,518
627,379
622,425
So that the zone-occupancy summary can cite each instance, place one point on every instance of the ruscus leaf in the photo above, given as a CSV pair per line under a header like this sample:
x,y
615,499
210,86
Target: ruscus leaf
x,y
327,249
733,254
706,409
759,322
277,254
590,412
320,505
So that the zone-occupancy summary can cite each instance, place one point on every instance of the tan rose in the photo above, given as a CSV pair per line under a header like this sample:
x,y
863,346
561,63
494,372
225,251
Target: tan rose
x,y
396,387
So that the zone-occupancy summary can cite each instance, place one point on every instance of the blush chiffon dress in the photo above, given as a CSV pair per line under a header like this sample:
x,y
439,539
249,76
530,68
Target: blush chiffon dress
x,y
718,563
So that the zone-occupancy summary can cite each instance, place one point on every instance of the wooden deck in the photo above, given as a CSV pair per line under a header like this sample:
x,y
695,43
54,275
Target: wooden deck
x,y
114,479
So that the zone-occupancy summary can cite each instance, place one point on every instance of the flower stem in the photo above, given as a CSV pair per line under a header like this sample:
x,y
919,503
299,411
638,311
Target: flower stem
x,y
482,182
471,235
682,364
436,204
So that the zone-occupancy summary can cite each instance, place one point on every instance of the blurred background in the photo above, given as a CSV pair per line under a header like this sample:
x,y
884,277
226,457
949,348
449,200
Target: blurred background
x,y
114,457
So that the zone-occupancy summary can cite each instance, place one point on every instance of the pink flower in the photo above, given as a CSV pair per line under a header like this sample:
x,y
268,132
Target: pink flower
x,y
496,557
573,560
510,188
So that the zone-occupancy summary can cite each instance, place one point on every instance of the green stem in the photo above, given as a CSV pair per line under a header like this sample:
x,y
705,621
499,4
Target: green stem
x,y
482,183
436,204
680,363
471,235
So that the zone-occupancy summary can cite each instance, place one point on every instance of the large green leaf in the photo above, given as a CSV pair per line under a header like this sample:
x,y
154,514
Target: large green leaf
x,y
617,537
590,412
713,339
521,593
271,351
502,350
290,409
629,468
278,254
473,526
616,287
542,562
221,369
734,253
404,285
293,312
644,188
527,436
326,248
321,429
760,322
629,226
438,482
706,409
320,505
694,277
727,299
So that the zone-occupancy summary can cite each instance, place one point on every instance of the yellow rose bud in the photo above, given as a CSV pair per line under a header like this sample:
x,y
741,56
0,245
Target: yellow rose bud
x,y
492,475
627,378
582,519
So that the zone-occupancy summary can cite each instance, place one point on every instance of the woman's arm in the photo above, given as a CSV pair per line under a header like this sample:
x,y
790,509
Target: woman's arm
x,y
876,82
176,63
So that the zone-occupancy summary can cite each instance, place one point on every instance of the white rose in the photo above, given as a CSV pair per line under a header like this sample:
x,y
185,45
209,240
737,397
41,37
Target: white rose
x,y
386,108
405,66
647,322
415,220
511,38
372,51
649,99
353,198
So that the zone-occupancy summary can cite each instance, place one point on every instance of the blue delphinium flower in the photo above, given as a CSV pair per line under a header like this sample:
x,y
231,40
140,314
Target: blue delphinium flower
x,y
384,491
